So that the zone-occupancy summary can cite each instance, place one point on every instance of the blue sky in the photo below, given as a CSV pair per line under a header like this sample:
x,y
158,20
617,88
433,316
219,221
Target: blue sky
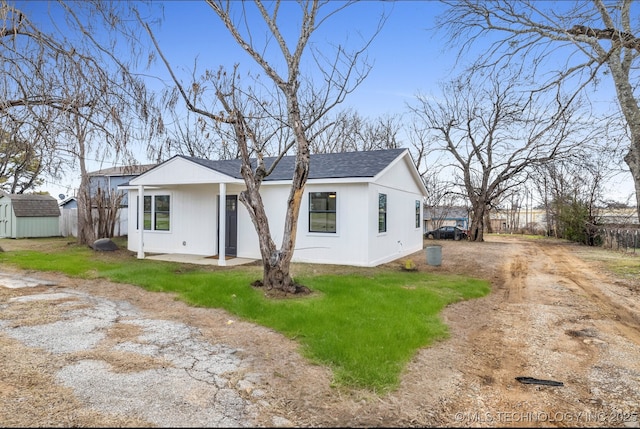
x,y
407,56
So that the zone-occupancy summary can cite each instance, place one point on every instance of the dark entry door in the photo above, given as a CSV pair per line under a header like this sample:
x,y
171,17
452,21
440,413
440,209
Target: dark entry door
x,y
231,225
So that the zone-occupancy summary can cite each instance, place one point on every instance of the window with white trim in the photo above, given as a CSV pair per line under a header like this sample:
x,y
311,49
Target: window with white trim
x,y
418,214
157,213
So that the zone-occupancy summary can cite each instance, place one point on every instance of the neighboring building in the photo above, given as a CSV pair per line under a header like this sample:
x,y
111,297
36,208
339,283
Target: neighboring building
x,y
28,216
618,216
435,217
518,221
68,203
535,220
358,208
108,180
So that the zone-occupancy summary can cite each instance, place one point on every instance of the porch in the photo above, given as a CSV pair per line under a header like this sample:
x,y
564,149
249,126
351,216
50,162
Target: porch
x,y
198,259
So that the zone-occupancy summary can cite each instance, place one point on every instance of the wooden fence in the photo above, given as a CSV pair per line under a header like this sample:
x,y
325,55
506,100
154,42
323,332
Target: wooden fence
x,y
69,222
621,238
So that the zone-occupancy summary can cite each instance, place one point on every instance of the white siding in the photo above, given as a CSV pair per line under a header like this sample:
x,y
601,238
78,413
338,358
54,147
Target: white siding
x,y
348,245
355,242
193,221
402,237
345,247
182,171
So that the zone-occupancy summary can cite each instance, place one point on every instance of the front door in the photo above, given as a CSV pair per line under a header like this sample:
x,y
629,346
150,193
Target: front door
x,y
231,225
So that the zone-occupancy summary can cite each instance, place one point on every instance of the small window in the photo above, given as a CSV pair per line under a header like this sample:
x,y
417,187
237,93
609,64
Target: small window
x,y
156,213
417,214
161,213
382,212
322,212
147,212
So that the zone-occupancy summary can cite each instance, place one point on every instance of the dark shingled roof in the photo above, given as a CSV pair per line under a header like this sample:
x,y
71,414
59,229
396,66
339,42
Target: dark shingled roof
x,y
323,166
34,205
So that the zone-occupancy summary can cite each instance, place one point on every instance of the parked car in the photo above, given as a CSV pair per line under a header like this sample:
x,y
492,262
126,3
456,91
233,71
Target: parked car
x,y
447,233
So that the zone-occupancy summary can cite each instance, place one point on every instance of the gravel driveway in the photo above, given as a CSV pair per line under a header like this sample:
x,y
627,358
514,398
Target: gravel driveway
x,y
189,380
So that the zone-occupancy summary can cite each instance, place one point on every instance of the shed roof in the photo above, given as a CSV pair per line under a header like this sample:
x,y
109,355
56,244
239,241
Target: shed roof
x,y
32,205
323,166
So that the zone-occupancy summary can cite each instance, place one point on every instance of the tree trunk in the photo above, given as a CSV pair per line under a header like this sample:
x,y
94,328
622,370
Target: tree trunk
x,y
86,230
487,222
277,276
632,158
631,111
275,263
476,232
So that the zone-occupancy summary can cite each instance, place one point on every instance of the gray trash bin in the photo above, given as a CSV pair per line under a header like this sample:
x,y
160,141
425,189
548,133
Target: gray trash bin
x,y
434,255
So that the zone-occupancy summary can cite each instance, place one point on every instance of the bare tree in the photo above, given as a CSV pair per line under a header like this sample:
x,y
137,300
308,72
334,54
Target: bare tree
x,y
515,206
71,82
494,135
443,196
348,131
592,39
192,135
107,103
442,202
96,126
29,100
277,115
107,205
22,158
563,183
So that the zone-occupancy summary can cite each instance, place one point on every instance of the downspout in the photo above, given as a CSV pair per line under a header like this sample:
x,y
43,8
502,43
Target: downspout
x,y
140,222
222,226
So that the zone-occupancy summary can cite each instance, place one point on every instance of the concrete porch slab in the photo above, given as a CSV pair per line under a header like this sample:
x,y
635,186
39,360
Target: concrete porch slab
x,y
197,259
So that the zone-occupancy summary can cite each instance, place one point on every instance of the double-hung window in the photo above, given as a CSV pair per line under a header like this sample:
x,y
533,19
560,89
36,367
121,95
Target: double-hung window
x,y
157,212
322,212
417,214
382,212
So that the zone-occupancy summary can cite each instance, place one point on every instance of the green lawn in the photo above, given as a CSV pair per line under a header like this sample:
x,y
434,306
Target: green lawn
x,y
365,324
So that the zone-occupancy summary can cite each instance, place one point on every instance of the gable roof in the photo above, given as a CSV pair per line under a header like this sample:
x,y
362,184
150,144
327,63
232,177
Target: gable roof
x,y
68,201
322,166
31,205
363,166
127,170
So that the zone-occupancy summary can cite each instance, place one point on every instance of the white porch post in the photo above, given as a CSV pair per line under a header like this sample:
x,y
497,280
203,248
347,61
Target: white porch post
x,y
222,227
140,222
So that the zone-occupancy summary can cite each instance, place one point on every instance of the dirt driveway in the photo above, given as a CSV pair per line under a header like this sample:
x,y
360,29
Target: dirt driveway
x,y
93,353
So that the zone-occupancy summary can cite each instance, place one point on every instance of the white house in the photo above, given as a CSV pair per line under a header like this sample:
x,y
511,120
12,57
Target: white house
x,y
358,208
